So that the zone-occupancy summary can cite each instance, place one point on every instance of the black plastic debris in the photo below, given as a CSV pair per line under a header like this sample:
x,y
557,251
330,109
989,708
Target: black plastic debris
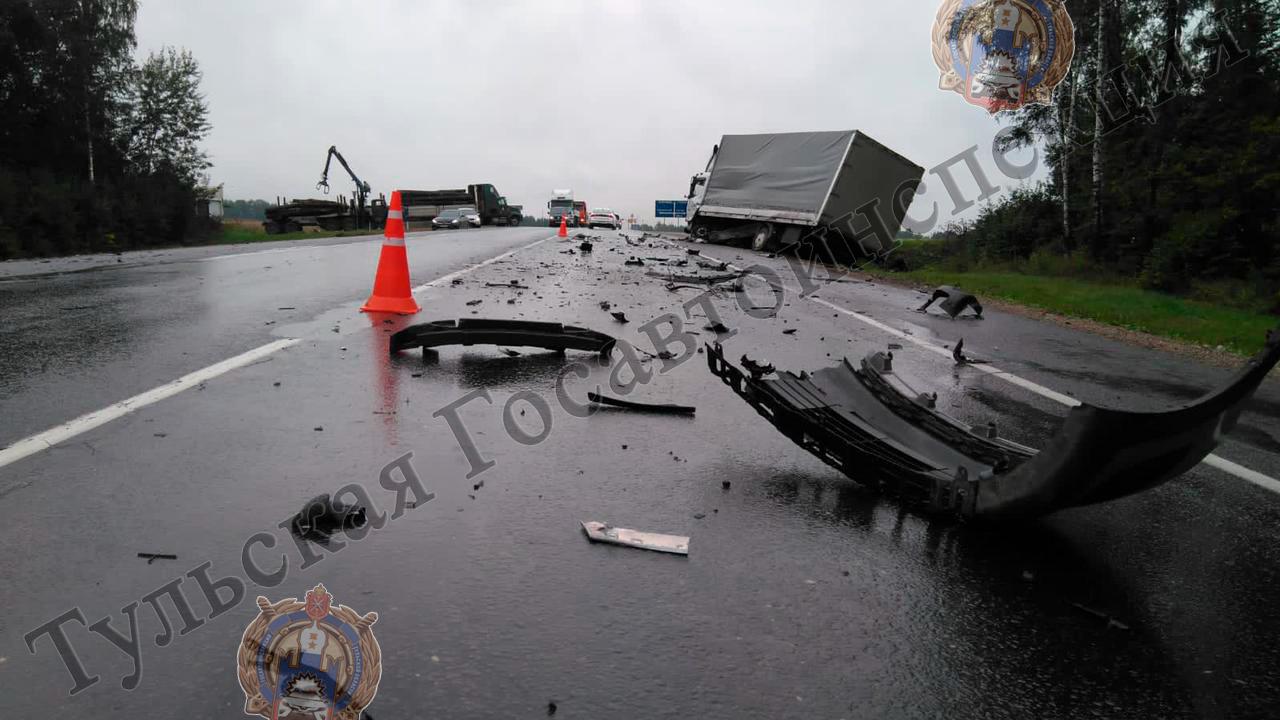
x,y
954,301
633,261
586,246
961,359
513,284
717,327
152,557
641,407
518,333
323,516
619,316
473,303
869,424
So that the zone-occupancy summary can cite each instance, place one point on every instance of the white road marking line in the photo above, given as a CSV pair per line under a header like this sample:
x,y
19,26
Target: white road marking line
x,y
272,251
1242,472
47,439
1216,461
44,440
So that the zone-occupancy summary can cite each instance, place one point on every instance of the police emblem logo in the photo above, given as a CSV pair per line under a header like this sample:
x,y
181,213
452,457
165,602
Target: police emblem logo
x,y
1003,54
309,660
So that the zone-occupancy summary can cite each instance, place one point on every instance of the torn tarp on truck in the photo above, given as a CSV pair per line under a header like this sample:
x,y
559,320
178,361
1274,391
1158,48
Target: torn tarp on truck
x,y
865,422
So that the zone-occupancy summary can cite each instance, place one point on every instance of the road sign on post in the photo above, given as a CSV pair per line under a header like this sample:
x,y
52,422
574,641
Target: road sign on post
x,y
670,208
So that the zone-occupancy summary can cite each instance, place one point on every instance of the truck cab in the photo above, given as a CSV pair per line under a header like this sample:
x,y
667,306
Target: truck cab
x,y
561,205
513,214
698,186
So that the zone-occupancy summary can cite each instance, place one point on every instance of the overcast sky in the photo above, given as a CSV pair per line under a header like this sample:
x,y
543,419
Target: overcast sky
x,y
620,100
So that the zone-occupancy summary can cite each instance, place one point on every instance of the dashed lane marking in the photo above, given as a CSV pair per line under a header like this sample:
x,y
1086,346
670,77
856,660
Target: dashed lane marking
x,y
44,440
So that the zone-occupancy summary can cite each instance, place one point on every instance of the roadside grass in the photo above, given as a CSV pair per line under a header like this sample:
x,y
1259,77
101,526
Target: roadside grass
x,y
1112,302
234,232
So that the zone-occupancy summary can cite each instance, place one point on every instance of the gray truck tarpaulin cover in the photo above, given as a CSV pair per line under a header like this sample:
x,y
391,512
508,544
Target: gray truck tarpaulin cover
x,y
788,171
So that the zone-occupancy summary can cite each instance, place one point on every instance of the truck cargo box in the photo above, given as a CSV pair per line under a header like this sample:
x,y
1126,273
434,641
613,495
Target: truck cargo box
x,y
803,180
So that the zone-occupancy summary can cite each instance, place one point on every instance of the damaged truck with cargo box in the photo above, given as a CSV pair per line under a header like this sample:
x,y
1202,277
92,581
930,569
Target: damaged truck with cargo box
x,y
774,190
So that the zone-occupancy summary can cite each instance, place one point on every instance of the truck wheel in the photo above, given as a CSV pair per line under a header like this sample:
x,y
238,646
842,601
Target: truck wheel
x,y
700,232
761,239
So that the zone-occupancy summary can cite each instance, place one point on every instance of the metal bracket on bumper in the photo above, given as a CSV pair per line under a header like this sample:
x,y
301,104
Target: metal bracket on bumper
x,y
867,424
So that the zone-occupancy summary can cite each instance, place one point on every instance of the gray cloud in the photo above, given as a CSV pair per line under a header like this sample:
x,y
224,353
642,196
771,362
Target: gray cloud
x,y
619,100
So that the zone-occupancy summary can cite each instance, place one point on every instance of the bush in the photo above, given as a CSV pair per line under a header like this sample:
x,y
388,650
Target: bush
x,y
42,215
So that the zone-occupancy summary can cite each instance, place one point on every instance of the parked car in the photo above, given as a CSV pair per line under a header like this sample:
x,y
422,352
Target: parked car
x,y
603,217
454,218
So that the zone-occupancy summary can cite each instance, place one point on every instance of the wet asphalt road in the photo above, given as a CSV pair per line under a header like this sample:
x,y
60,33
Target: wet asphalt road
x,y
803,595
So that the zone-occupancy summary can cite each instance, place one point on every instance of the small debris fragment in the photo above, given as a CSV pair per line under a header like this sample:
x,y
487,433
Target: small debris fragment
x,y
789,331
551,708
642,407
604,533
510,352
319,429
1028,575
633,260
895,346
160,435
961,359
1111,622
152,557
725,484
457,281
604,305
620,316
718,328
275,384
512,284
474,302
699,516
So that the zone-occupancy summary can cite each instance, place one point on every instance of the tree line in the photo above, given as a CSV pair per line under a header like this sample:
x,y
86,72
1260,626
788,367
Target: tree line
x,y
1162,142
97,151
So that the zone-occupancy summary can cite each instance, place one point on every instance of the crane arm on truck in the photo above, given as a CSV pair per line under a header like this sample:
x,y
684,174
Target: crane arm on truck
x,y
362,187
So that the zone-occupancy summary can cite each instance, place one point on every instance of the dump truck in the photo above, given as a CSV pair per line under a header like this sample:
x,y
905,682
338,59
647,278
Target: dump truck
x,y
422,206
774,190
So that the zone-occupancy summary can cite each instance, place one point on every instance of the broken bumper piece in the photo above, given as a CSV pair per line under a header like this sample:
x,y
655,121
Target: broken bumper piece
x,y
865,422
519,333
954,301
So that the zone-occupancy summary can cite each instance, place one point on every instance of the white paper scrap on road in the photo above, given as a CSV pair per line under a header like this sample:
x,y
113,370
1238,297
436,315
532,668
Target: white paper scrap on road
x,y
601,532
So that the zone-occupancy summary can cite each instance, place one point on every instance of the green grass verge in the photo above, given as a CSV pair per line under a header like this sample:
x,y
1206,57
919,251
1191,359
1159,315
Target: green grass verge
x,y
236,233
1240,331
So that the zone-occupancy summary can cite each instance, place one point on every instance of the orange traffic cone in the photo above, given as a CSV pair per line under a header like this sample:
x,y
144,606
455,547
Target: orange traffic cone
x,y
391,291
564,226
